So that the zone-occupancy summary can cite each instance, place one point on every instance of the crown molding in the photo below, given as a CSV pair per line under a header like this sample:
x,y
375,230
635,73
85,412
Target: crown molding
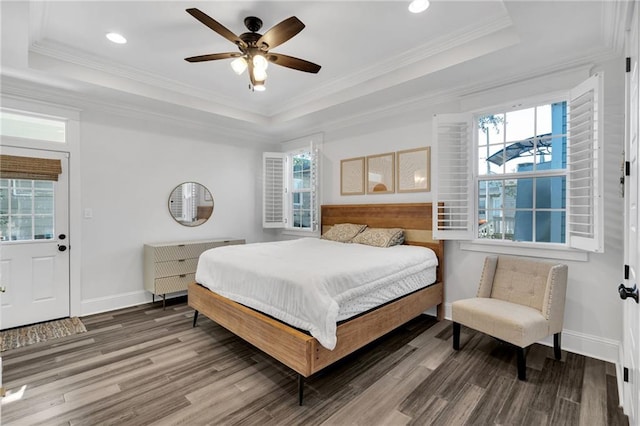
x,y
422,53
67,55
16,88
416,105
328,94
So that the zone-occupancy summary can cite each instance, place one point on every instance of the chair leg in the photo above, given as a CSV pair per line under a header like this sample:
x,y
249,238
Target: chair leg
x,y
522,364
557,338
456,336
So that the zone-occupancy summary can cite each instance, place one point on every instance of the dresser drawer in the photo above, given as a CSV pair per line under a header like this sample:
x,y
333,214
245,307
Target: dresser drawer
x,y
175,267
170,266
189,250
174,283
181,251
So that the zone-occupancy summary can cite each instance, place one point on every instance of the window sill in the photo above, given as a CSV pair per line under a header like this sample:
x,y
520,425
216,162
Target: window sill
x,y
519,249
300,233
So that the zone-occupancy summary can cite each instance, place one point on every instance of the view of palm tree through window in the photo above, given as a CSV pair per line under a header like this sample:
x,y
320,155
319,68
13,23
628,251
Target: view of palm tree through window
x,y
522,174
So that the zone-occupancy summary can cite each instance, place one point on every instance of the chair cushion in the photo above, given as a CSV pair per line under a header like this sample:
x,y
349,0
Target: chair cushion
x,y
521,281
517,324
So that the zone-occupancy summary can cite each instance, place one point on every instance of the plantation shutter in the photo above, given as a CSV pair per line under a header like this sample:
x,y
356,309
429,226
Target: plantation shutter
x,y
315,159
452,173
15,167
584,162
273,193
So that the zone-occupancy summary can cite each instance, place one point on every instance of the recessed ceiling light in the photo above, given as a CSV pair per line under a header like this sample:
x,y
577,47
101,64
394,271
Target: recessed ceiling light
x,y
418,6
116,38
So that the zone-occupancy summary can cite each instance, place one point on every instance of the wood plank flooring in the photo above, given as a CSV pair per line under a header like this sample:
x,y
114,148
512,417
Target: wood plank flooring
x,y
148,366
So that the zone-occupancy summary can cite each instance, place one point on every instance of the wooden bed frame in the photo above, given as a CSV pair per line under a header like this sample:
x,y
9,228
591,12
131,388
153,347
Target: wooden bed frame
x,y
302,352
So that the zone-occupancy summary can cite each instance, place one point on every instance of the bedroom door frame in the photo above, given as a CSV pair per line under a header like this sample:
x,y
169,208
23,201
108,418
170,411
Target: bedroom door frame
x,y
72,146
36,270
630,347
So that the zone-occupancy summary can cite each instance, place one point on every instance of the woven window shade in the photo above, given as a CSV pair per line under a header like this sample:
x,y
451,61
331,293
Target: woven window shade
x,y
14,167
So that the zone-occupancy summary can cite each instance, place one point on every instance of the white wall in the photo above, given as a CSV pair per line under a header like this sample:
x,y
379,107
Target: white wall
x,y
592,315
128,169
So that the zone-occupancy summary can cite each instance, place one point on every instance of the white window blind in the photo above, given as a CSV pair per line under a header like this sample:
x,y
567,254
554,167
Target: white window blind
x,y
273,211
584,160
452,169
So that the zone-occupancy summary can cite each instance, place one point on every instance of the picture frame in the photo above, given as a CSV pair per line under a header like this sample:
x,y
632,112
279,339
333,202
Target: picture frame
x,y
352,176
381,173
414,170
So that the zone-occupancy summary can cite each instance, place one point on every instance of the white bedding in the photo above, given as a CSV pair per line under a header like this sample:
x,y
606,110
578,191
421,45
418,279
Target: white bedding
x,y
302,282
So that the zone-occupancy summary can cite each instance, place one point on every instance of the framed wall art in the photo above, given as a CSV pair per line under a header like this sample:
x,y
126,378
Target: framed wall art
x,y
352,176
414,170
380,173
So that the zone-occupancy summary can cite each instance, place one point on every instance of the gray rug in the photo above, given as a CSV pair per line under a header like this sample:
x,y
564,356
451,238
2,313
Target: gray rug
x,y
28,335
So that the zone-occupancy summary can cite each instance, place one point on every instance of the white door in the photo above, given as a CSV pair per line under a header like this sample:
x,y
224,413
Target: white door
x,y
34,259
631,313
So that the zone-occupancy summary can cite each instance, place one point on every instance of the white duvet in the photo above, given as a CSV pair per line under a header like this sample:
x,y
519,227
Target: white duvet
x,y
303,281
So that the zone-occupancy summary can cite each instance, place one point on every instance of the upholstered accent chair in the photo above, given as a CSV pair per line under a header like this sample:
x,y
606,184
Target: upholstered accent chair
x,y
519,301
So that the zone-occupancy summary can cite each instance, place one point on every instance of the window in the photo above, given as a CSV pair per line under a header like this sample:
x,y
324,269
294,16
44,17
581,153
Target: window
x,y
22,125
302,190
523,174
26,210
291,188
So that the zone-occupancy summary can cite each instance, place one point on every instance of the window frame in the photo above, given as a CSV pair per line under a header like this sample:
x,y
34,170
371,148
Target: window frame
x,y
278,190
456,193
505,176
291,190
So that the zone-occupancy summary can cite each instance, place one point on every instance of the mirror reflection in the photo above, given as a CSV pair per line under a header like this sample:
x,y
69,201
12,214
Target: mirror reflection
x,y
191,204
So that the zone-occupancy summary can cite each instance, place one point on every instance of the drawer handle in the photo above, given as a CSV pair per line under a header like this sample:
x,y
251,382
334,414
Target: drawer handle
x,y
180,245
181,260
183,275
227,241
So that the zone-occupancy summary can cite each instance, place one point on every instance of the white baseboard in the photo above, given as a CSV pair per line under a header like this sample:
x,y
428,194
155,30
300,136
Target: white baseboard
x,y
111,303
578,343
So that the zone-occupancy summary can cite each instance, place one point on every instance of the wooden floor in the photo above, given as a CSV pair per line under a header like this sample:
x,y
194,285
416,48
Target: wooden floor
x,y
143,365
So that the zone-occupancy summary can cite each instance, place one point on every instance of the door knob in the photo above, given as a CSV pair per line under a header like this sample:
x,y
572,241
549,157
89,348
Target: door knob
x,y
628,292
62,247
3,289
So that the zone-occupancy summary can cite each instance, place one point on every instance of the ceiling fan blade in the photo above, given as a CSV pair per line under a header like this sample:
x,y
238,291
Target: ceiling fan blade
x,y
216,26
213,57
281,32
291,62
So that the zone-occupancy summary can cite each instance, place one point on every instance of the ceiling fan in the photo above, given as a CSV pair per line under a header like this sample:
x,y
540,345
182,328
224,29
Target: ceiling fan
x,y
254,47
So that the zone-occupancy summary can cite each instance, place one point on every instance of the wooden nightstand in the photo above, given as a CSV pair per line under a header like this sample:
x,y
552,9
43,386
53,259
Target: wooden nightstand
x,y
170,267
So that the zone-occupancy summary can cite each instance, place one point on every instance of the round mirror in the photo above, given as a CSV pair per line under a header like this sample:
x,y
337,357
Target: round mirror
x,y
190,204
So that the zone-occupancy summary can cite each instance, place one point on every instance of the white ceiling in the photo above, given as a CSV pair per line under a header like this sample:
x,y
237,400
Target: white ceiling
x,y
374,54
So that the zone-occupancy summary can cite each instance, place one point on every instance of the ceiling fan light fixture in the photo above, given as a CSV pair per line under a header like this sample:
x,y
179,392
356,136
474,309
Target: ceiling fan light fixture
x,y
259,74
239,65
255,47
260,62
418,6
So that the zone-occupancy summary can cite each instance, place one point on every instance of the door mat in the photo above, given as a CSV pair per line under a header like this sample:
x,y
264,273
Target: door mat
x,y
23,336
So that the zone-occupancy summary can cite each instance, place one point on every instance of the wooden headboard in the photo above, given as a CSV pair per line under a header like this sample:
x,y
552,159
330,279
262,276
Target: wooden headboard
x,y
414,218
